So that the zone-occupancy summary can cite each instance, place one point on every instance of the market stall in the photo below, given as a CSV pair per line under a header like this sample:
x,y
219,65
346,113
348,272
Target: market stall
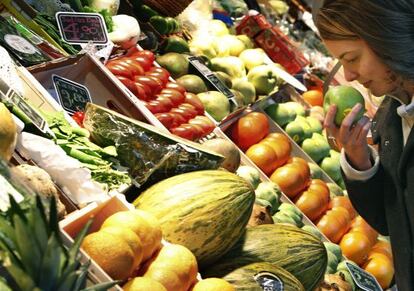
x,y
174,145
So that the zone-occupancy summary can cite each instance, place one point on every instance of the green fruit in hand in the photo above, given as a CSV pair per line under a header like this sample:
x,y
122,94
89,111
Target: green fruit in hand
x,y
345,98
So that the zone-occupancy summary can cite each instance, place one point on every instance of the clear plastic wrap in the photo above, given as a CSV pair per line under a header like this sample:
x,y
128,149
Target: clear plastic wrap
x,y
149,155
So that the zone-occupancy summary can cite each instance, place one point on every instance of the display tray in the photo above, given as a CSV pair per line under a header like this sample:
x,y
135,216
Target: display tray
x,y
104,88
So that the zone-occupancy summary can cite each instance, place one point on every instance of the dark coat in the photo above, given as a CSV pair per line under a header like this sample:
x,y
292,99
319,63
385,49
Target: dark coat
x,y
386,201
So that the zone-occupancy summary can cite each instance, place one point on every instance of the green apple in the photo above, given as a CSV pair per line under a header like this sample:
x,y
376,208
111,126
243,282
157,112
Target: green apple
x,y
332,168
295,130
345,98
280,113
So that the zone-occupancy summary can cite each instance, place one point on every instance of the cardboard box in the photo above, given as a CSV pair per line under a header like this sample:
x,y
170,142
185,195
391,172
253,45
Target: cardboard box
x,y
252,25
75,222
281,50
105,89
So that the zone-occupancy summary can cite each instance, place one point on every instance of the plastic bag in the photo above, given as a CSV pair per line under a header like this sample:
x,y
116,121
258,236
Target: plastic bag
x,y
149,155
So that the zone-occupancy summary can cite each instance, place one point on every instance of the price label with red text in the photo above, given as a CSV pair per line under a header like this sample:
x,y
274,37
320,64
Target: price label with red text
x,y
82,28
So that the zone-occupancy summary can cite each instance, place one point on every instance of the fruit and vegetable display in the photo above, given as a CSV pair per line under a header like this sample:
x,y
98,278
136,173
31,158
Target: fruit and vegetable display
x,y
193,165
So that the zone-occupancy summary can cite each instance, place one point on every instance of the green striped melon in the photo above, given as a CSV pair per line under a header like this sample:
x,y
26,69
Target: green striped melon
x,y
295,250
206,211
247,278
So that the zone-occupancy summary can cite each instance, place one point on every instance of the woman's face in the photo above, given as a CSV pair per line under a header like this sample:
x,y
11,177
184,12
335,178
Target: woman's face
x,y
362,64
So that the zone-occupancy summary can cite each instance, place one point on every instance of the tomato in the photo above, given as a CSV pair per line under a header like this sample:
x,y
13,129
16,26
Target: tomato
x,y
166,119
184,132
160,71
344,202
178,119
144,62
176,99
195,101
207,126
156,106
158,75
146,54
263,156
249,130
175,86
176,95
355,246
154,84
320,188
147,90
189,108
131,65
382,268
311,204
184,112
79,116
119,70
197,130
290,179
129,84
166,102
141,94
132,50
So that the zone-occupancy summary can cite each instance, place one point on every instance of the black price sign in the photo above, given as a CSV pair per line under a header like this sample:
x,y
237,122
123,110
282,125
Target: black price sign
x,y
363,279
72,96
82,28
34,117
210,76
269,281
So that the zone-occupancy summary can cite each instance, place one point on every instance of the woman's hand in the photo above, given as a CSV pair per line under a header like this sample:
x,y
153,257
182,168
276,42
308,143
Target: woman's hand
x,y
351,137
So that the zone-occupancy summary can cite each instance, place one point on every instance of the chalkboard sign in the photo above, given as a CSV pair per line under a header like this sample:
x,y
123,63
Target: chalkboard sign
x,y
269,281
210,76
71,96
34,117
363,279
82,28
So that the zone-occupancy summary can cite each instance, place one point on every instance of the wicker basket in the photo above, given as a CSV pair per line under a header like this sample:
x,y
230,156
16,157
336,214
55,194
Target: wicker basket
x,y
168,7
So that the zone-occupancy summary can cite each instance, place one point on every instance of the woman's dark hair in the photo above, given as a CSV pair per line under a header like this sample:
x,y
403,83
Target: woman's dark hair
x,y
387,26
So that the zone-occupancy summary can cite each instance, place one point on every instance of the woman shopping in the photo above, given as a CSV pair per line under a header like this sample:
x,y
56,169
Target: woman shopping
x,y
374,41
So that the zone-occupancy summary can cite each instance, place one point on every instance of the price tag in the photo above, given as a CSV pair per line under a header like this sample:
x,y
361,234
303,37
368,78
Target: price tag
x,y
71,95
34,117
82,28
210,76
269,281
363,279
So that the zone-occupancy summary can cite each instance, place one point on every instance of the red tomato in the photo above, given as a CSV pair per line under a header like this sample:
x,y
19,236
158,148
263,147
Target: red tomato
x,y
166,119
197,130
79,116
161,71
190,108
178,119
177,95
250,129
184,132
145,53
187,114
144,62
154,84
177,100
141,95
156,106
128,83
158,75
175,86
206,125
131,65
147,90
165,101
119,70
195,101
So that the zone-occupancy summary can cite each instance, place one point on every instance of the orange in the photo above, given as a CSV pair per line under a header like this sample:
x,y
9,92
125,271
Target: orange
x,y
313,97
213,284
381,267
355,246
264,157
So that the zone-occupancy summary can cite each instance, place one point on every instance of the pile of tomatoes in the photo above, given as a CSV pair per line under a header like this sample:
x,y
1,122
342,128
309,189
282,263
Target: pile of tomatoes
x,y
181,112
